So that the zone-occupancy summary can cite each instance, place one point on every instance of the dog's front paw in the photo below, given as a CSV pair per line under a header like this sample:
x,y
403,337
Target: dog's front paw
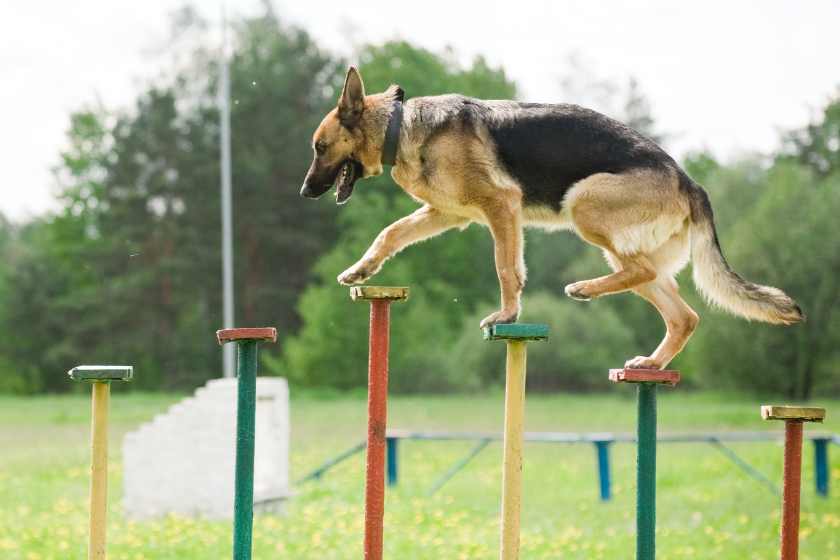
x,y
499,318
578,291
643,362
353,275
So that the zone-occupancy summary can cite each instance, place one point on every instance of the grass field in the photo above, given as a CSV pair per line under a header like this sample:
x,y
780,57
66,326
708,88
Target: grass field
x,y
707,507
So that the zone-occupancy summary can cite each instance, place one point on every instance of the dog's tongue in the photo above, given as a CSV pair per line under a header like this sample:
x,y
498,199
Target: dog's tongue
x,y
345,183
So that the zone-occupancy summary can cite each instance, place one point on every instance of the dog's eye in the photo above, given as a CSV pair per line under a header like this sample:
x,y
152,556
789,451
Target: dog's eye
x,y
320,148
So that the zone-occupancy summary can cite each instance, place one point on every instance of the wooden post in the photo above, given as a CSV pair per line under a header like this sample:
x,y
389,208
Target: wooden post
x,y
246,409
794,417
516,337
101,377
646,381
380,299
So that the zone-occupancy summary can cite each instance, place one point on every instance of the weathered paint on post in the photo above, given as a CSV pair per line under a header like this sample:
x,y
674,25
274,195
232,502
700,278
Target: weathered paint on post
x,y
377,416
794,417
646,385
380,299
516,337
791,490
99,469
101,377
246,410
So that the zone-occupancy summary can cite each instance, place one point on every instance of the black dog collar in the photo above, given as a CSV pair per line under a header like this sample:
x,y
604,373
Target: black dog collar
x,y
392,133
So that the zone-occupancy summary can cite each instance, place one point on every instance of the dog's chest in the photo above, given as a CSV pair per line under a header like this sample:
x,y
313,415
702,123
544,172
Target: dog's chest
x,y
428,188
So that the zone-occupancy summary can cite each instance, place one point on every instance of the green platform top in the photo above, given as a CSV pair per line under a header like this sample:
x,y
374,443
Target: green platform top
x,y
516,332
101,373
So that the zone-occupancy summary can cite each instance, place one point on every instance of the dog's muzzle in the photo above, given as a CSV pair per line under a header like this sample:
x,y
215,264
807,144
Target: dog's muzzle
x,y
309,192
347,174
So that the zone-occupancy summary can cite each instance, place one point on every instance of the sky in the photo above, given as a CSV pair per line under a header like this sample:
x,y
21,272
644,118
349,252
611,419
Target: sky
x,y
721,76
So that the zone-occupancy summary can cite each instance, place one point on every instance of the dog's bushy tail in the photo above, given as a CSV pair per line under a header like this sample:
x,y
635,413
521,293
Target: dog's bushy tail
x,y
719,284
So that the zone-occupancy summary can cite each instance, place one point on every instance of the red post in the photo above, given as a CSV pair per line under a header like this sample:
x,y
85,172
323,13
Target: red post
x,y
794,417
791,489
380,319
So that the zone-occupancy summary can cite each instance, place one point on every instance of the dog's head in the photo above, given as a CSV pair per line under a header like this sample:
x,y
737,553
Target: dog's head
x,y
342,147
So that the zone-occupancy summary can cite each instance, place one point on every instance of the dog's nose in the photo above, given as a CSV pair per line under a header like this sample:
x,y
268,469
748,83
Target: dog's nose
x,y
306,192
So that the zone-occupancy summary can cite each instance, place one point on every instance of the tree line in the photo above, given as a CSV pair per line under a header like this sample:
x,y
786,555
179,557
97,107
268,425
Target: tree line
x,y
130,270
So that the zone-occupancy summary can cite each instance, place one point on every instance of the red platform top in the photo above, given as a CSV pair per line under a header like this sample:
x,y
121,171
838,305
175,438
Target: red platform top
x,y
264,334
664,376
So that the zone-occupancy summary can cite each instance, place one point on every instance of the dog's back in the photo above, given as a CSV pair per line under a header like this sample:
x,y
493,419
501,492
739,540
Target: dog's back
x,y
545,148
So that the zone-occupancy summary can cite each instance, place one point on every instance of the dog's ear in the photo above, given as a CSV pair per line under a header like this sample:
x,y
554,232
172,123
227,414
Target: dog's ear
x,y
352,100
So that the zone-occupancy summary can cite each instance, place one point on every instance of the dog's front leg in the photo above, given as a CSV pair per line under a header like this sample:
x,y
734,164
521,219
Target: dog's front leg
x,y
504,217
422,224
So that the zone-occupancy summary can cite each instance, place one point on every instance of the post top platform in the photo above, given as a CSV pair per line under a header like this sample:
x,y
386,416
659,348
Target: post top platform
x,y
367,293
516,332
101,373
662,376
802,413
264,334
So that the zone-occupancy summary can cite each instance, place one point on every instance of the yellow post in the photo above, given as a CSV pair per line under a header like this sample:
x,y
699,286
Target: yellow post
x,y
512,468
516,337
99,469
101,376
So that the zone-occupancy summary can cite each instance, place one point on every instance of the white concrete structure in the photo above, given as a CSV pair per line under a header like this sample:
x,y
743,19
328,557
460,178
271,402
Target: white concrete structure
x,y
183,461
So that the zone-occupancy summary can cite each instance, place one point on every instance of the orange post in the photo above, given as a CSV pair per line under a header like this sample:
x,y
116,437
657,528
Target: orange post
x,y
380,317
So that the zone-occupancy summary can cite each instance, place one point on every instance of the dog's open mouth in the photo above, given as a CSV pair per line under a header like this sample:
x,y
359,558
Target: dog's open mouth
x,y
350,173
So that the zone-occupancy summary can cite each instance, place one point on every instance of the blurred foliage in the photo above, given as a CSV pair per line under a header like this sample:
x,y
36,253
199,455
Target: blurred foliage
x,y
818,144
788,238
130,271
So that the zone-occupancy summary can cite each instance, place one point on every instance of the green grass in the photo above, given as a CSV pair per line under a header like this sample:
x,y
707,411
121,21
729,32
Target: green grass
x,y
707,507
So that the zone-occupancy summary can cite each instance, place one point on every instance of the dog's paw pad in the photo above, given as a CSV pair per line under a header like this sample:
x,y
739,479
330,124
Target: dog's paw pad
x,y
576,291
642,362
350,277
498,318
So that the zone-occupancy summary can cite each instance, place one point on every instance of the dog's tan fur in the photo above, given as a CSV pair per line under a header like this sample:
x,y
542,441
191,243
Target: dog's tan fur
x,y
640,219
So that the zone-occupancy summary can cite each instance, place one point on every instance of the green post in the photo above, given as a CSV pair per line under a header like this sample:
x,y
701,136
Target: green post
x,y
646,472
246,410
646,386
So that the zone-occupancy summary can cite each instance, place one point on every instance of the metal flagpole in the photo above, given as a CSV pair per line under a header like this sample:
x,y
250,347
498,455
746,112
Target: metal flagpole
x,y
229,350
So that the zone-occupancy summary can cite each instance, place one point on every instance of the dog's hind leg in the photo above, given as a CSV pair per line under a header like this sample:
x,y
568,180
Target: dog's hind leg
x,y
634,271
422,224
630,216
679,319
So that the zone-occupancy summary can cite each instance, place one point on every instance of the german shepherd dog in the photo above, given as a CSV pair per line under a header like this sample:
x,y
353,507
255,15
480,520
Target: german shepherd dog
x,y
507,164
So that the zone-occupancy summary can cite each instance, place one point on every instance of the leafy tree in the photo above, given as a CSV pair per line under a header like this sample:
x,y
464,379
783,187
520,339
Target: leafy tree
x,y
818,144
133,260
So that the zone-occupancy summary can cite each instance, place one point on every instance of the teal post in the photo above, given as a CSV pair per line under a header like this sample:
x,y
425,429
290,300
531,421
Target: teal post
x,y
646,472
246,410
646,385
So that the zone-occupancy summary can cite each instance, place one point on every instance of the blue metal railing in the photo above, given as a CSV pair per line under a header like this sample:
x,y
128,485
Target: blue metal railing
x,y
601,442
